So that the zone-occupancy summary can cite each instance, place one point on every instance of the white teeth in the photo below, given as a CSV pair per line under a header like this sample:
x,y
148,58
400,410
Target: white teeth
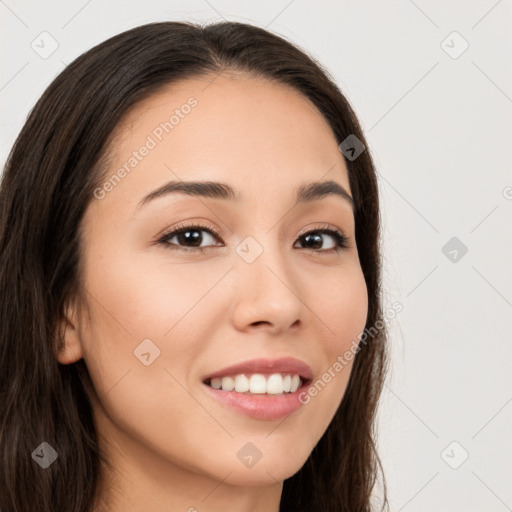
x,y
241,384
257,383
228,384
275,384
295,383
287,382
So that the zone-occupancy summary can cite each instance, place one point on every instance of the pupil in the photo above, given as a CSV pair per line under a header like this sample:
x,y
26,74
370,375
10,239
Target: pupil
x,y
317,240
195,238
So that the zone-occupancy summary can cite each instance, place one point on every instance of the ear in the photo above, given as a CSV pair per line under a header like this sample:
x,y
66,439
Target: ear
x,y
70,349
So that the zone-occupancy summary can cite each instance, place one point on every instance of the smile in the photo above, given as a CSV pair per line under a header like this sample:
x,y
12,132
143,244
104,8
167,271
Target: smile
x,y
264,389
257,383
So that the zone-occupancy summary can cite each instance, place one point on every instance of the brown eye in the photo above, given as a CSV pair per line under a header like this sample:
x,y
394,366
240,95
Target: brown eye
x,y
315,239
190,238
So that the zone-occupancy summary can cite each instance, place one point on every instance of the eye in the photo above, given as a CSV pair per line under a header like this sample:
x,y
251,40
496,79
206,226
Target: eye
x,y
189,238
313,239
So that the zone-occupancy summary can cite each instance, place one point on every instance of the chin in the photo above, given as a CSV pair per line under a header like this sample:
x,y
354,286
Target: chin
x,y
259,477
267,472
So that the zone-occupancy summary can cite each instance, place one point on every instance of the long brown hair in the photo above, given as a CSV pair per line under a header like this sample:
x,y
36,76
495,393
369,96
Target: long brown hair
x,y
48,182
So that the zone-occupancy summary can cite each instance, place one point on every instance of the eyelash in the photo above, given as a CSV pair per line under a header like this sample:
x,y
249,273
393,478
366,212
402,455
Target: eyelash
x,y
337,234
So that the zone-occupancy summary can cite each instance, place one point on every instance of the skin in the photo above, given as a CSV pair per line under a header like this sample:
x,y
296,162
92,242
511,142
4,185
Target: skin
x,y
173,446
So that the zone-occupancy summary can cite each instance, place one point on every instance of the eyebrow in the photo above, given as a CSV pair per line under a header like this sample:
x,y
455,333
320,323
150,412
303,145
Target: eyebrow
x,y
305,193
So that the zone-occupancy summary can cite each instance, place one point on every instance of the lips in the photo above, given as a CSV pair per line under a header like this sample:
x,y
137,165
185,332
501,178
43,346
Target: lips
x,y
288,365
274,402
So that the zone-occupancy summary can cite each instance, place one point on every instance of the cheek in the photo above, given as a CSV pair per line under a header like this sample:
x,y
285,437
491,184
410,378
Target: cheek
x,y
163,309
132,303
342,305
152,300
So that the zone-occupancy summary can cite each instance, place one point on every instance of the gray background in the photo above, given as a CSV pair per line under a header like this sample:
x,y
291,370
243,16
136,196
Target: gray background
x,y
438,121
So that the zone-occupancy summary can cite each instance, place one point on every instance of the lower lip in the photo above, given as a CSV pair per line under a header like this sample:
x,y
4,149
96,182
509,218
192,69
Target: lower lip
x,y
261,407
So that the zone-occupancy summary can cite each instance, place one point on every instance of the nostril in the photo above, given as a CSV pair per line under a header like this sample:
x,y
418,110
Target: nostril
x,y
260,322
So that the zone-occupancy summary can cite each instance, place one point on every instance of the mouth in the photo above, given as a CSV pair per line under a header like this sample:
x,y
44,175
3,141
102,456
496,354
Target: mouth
x,y
259,383
261,389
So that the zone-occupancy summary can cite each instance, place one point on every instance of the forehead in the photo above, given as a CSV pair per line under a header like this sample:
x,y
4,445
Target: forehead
x,y
250,132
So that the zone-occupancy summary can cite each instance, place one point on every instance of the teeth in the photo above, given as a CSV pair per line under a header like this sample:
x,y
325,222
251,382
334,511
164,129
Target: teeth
x,y
241,384
295,383
258,384
216,383
287,383
275,384
228,384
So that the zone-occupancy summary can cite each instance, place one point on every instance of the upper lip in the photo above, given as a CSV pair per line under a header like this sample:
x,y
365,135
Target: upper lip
x,y
281,365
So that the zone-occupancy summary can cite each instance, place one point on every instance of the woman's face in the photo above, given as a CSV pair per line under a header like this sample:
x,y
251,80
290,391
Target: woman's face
x,y
167,313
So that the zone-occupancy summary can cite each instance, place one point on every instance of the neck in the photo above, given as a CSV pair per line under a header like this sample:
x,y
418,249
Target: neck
x,y
144,480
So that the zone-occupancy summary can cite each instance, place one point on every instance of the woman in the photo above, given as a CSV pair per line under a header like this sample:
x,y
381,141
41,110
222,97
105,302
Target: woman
x,y
190,267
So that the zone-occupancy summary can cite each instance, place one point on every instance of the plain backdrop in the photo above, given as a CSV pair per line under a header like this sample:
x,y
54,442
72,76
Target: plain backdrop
x,y
432,85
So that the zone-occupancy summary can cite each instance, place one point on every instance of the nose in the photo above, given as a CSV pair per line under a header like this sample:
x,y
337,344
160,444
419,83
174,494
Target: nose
x,y
267,294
